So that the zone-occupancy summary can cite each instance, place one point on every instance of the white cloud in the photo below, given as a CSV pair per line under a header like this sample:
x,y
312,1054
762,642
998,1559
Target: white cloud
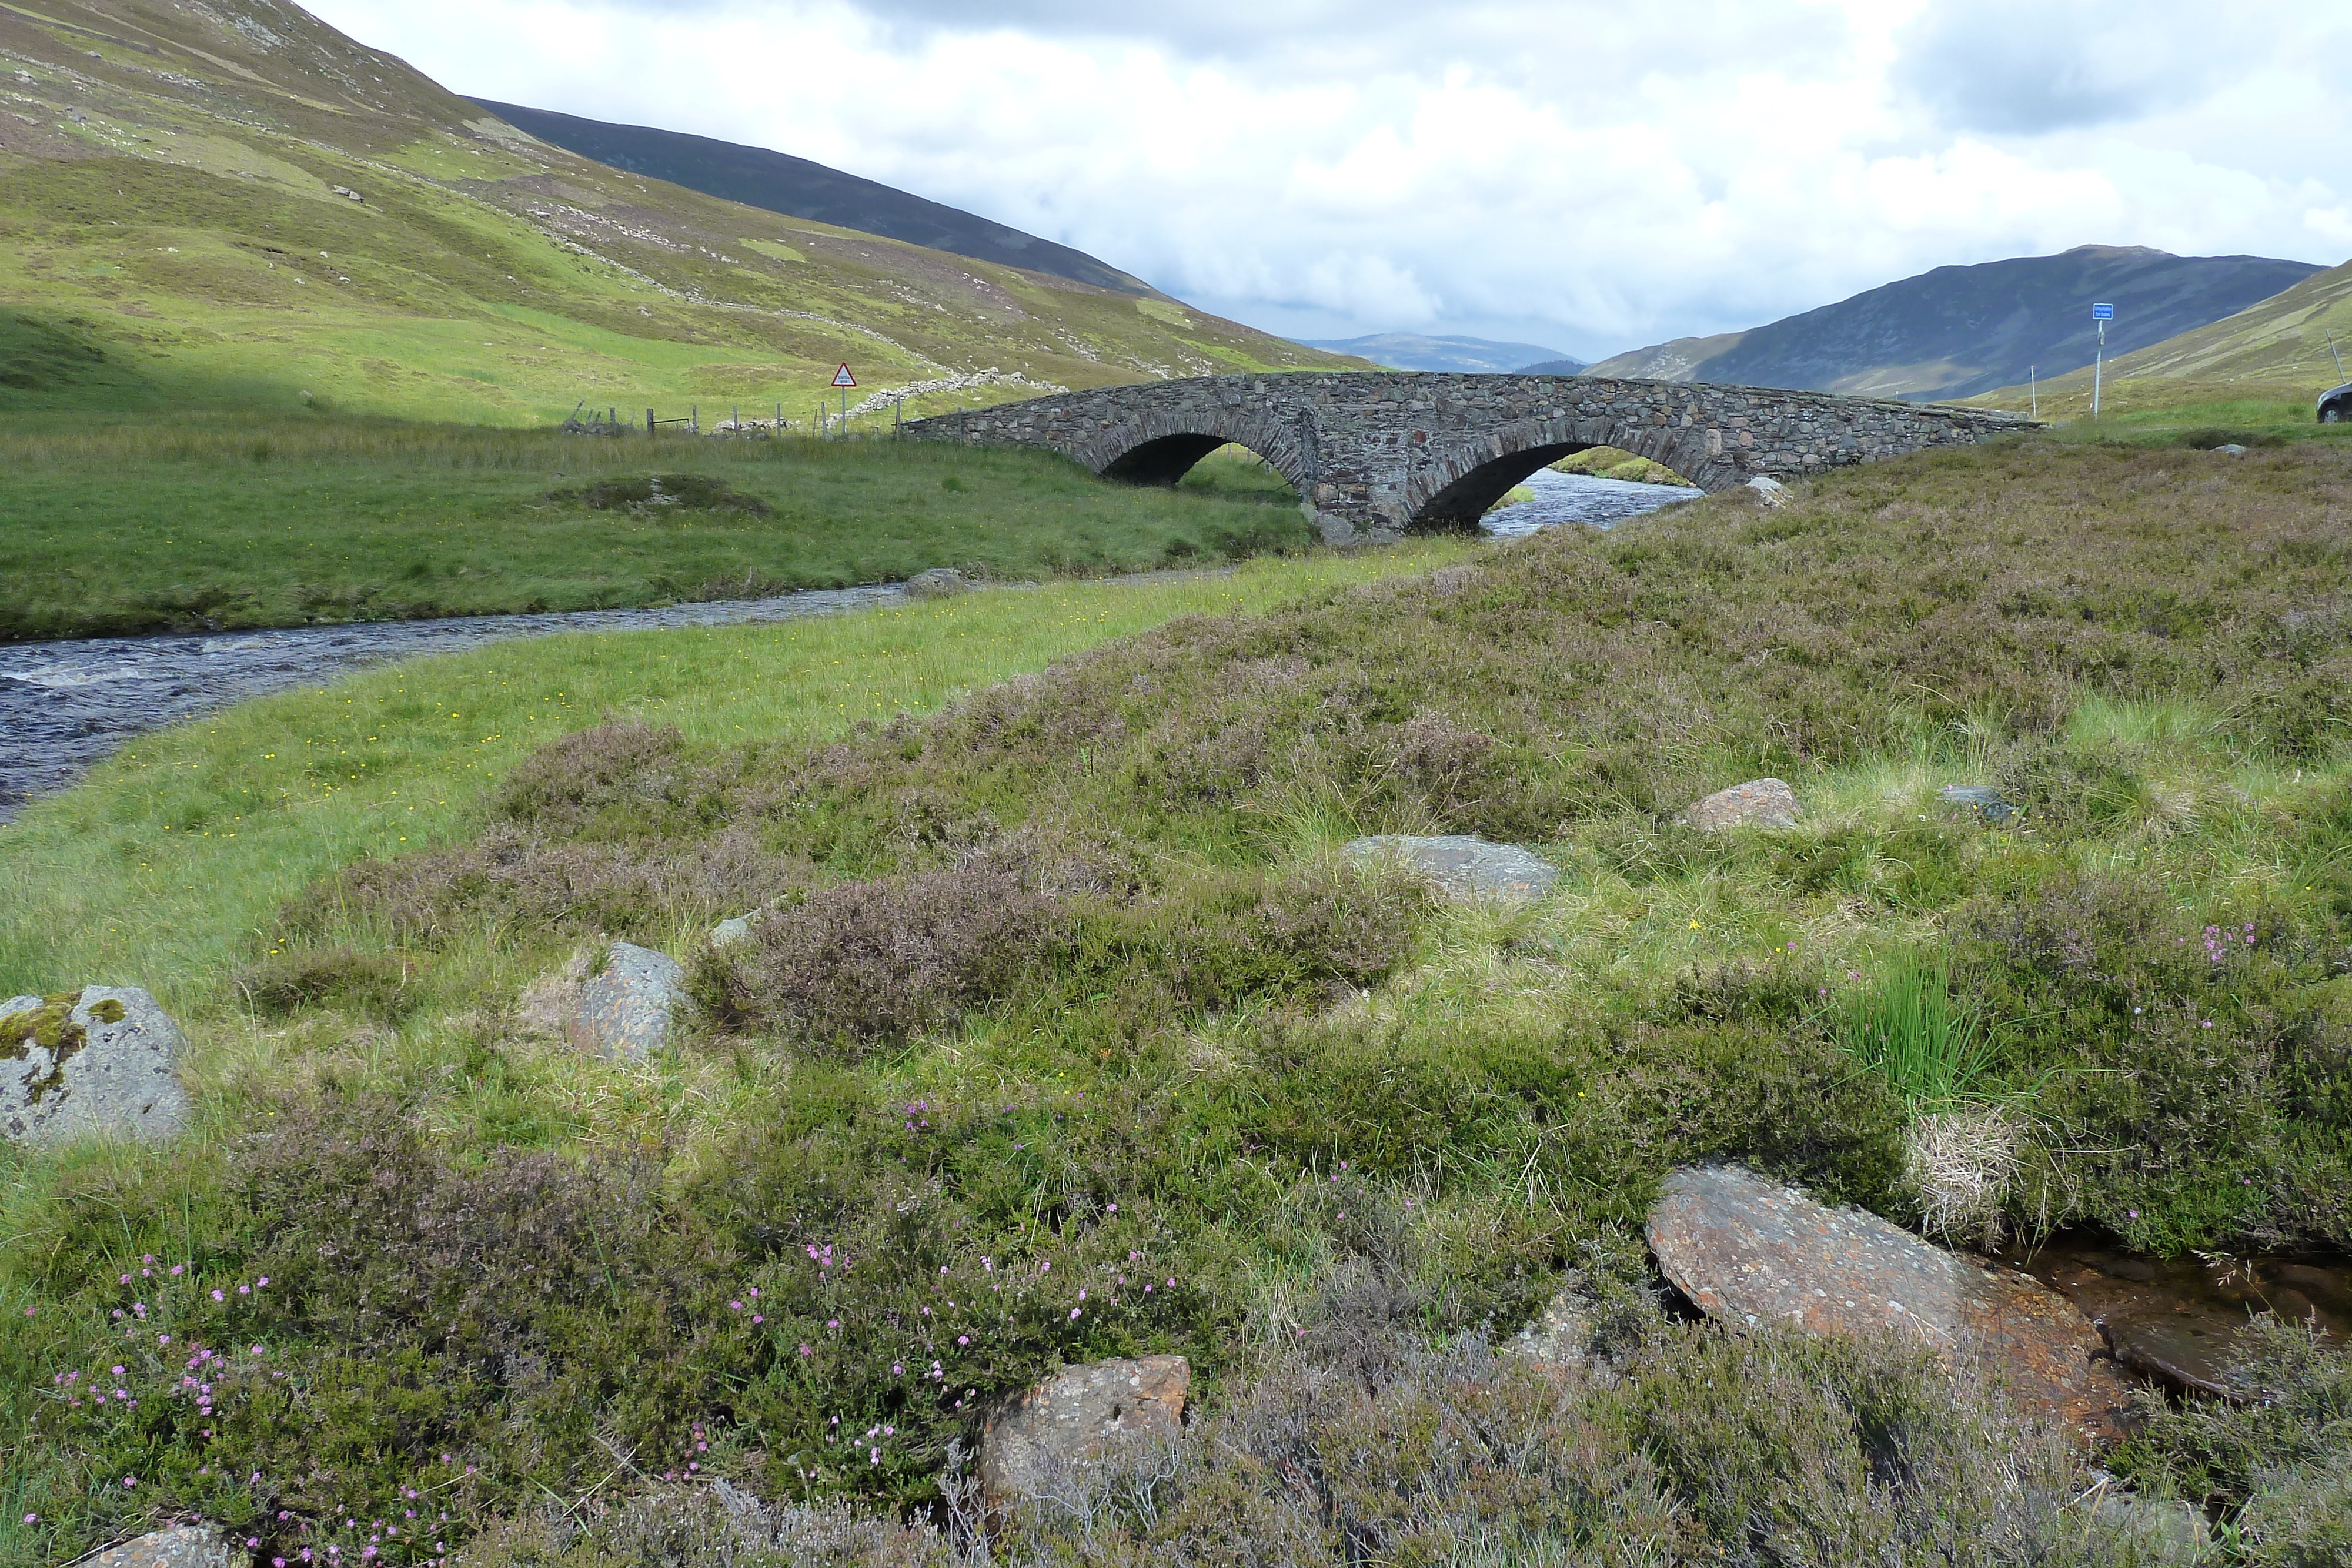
x,y
1589,175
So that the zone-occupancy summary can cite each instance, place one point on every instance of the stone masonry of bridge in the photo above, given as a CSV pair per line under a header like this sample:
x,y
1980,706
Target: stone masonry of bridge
x,y
1377,454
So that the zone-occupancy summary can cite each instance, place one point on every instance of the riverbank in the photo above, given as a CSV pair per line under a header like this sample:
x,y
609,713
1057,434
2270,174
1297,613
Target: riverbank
x,y
251,522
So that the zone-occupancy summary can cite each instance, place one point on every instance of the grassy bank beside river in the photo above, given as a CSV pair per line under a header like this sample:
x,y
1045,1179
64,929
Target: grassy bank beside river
x,y
231,522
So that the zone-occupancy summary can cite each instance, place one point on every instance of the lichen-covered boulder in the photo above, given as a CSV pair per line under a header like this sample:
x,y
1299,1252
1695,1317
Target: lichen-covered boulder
x,y
620,1010
625,1007
1758,804
1752,1253
177,1546
1465,869
1078,1417
103,1062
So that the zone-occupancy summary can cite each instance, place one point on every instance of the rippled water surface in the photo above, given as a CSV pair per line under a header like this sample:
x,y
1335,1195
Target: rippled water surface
x,y
1580,499
64,706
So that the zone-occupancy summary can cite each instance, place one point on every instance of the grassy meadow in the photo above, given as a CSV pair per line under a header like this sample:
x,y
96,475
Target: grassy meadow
x,y
110,528
1069,1033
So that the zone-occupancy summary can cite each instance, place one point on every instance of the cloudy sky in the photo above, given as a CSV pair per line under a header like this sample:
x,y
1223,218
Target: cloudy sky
x,y
1586,175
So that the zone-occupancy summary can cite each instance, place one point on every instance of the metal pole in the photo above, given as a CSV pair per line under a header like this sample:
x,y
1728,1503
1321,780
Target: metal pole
x,y
2099,370
2339,358
2033,388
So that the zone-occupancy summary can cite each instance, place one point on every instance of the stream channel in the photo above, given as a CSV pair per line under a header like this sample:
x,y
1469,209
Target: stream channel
x,y
67,705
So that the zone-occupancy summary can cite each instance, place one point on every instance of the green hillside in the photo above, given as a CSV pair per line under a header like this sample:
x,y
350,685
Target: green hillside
x,y
178,227
2265,365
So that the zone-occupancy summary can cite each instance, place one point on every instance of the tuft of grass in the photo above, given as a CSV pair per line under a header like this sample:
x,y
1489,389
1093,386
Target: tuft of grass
x,y
1904,1024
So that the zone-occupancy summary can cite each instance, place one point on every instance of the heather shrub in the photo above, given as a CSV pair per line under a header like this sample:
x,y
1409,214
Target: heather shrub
x,y
1695,1447
619,779
514,878
716,1526
2281,1462
860,962
1223,938
2194,1068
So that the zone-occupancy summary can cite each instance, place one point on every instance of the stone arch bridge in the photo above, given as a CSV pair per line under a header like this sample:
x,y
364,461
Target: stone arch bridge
x,y
1376,454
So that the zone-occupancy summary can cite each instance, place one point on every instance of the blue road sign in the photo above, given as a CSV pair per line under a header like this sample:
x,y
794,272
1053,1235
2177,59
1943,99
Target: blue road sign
x,y
2103,312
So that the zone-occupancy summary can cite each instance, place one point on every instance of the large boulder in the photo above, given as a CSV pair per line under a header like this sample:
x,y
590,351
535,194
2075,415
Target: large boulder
x,y
625,1007
1758,804
620,1010
103,1062
1076,1418
1750,1252
1465,869
177,1546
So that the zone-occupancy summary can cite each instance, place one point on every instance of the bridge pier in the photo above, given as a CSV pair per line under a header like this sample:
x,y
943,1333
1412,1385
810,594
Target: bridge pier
x,y
1376,455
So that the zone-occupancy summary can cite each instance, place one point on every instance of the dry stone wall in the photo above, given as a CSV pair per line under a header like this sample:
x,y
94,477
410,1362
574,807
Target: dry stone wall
x,y
1377,454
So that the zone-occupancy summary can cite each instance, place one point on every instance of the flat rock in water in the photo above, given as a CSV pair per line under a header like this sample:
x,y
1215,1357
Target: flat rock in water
x,y
1464,868
1758,804
180,1546
938,582
1751,1252
625,1010
1078,1417
100,1062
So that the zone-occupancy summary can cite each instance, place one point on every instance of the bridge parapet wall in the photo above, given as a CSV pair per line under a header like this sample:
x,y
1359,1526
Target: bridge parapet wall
x,y
1377,454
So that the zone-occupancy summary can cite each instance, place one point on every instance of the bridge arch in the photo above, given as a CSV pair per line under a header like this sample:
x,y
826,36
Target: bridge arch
x,y
1454,487
1159,446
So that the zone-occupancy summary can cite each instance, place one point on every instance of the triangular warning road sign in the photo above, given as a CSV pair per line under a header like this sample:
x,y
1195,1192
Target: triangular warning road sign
x,y
842,378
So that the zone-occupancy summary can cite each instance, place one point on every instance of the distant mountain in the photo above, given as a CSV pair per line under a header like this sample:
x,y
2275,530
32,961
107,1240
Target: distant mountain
x,y
1960,330
780,183
2275,348
1672,361
1412,352
1553,367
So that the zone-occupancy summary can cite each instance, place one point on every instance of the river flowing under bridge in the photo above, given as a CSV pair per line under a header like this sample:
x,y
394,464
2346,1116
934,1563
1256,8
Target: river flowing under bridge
x,y
1377,454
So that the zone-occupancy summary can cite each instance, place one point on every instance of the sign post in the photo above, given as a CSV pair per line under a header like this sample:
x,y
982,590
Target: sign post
x,y
2102,314
844,380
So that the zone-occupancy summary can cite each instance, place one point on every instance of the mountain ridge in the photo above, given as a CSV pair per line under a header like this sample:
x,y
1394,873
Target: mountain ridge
x,y
801,188
1956,332
1416,352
